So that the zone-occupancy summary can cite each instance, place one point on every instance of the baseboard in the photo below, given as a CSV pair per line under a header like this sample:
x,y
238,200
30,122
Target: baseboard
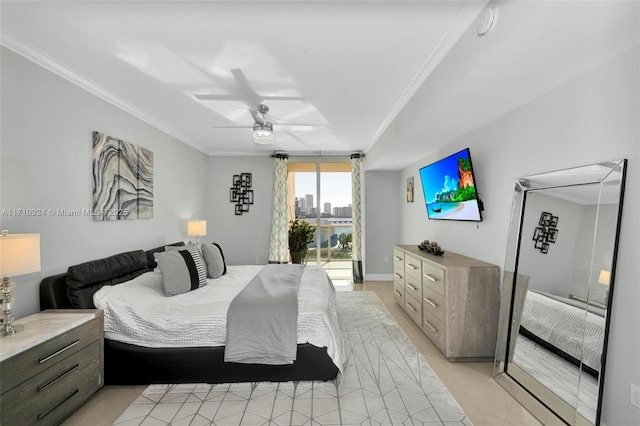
x,y
378,277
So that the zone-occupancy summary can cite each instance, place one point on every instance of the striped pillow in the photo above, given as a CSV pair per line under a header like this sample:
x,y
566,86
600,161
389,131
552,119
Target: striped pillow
x,y
201,267
179,272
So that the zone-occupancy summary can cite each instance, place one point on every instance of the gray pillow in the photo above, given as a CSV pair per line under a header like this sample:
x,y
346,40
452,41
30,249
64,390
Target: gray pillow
x,y
179,272
197,258
214,258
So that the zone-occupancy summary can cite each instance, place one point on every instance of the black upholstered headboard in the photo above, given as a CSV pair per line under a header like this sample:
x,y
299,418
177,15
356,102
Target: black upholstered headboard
x,y
75,288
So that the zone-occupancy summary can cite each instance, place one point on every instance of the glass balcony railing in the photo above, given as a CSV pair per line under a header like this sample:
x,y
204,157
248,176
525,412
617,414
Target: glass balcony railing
x,y
335,244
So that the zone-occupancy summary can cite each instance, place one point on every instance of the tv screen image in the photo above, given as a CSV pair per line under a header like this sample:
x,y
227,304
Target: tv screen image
x,y
449,188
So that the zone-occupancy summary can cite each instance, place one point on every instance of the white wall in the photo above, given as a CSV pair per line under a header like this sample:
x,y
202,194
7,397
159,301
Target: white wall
x,y
244,238
590,119
46,162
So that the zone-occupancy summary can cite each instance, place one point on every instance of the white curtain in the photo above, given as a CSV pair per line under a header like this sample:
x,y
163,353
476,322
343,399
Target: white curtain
x,y
356,239
279,247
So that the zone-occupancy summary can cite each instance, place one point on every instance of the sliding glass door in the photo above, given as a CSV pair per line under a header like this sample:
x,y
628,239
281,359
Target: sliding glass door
x,y
320,193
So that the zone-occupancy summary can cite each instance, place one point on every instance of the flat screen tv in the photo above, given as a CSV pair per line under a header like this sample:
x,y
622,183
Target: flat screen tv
x,y
449,189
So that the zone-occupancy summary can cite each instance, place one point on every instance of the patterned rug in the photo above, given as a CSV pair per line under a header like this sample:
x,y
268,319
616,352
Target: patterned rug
x,y
386,382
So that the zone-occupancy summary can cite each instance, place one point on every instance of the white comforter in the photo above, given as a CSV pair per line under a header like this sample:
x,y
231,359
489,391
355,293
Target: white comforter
x,y
137,312
565,327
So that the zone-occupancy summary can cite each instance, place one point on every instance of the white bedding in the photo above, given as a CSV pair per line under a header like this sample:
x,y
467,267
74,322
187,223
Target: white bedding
x,y
564,326
138,312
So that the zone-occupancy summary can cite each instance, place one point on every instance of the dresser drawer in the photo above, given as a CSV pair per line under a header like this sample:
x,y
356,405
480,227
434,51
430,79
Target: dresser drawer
x,y
433,302
41,357
398,274
51,394
433,277
413,287
398,258
434,329
413,308
412,267
398,293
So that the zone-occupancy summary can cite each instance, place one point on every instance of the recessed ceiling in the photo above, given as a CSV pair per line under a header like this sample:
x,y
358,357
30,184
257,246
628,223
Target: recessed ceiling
x,y
358,72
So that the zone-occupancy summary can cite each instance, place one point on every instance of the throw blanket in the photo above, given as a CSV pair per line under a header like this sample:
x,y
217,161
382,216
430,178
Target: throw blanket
x,y
262,320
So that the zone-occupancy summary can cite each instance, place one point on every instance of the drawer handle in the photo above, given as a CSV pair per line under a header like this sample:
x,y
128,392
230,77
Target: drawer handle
x,y
397,258
411,307
432,328
414,267
397,275
430,277
397,293
69,346
431,302
57,379
412,287
42,416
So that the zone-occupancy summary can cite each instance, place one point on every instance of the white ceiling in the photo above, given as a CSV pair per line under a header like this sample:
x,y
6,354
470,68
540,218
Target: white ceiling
x,y
359,72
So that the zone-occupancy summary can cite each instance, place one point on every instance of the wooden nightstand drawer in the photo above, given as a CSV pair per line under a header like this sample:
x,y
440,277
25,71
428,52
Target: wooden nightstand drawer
x,y
433,277
413,308
433,302
39,358
52,393
434,329
412,267
398,293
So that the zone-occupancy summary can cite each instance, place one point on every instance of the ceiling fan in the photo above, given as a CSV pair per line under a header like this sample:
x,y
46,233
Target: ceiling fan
x,y
263,128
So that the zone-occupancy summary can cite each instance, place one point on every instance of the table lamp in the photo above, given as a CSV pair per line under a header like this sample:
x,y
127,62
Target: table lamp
x,y
197,228
604,278
19,255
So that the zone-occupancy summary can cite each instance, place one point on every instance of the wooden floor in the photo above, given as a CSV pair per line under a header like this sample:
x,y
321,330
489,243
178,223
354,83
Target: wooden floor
x,y
484,401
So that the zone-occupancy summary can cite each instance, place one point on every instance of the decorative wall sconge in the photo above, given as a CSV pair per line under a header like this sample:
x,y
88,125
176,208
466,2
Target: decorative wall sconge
x,y
241,193
546,232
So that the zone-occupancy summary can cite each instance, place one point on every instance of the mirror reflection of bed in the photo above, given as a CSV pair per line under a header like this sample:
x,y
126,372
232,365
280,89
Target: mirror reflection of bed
x,y
550,347
560,299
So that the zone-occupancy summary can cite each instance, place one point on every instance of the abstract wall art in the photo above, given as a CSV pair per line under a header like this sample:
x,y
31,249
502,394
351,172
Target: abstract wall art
x,y
241,193
122,180
546,232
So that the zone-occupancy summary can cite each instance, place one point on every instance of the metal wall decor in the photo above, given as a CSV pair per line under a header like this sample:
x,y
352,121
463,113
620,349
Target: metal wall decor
x,y
241,193
546,232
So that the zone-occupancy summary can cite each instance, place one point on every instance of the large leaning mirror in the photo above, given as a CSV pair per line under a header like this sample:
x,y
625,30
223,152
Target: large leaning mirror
x,y
557,286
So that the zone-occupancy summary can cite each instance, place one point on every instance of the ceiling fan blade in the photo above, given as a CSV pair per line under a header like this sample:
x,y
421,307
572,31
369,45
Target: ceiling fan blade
x,y
232,127
207,97
249,95
293,127
258,117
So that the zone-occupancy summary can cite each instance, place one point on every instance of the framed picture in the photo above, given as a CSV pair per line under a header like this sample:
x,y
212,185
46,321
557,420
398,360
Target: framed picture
x,y
410,190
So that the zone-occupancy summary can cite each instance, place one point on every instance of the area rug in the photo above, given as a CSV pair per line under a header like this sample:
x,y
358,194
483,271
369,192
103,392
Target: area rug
x,y
386,382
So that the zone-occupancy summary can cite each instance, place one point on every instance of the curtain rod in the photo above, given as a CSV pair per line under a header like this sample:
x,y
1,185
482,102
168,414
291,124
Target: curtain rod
x,y
318,154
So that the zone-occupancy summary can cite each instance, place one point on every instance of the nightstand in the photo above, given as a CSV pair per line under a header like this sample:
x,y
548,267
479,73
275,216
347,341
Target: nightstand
x,y
51,367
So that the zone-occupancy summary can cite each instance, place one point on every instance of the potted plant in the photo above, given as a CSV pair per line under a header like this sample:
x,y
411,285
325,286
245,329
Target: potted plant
x,y
300,235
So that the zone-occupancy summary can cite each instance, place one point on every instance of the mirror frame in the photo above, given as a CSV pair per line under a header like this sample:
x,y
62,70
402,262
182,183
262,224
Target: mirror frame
x,y
577,176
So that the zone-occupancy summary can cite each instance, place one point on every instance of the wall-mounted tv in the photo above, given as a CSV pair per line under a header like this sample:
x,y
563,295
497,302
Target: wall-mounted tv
x,y
449,188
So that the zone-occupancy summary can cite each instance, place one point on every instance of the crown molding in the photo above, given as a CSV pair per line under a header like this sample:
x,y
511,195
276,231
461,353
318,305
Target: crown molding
x,y
12,43
465,17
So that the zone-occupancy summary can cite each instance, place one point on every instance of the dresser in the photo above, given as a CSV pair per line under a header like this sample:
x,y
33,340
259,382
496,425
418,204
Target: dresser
x,y
454,299
51,366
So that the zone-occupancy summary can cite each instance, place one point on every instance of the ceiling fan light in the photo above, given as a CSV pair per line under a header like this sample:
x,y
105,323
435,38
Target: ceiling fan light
x,y
263,134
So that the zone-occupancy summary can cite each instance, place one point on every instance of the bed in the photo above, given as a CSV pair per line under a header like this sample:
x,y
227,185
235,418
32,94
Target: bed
x,y
561,325
150,338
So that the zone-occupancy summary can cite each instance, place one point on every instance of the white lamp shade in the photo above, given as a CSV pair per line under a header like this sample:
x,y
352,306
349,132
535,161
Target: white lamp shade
x,y
19,254
197,228
605,277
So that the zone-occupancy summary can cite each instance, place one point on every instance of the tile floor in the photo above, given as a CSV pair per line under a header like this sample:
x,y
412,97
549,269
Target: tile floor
x,y
484,401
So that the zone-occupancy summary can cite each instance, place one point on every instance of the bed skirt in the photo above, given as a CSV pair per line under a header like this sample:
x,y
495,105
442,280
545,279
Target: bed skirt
x,y
127,364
